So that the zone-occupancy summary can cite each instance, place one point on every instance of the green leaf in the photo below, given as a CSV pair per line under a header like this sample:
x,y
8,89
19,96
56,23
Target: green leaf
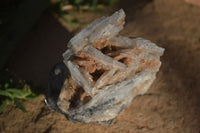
x,y
3,106
31,97
58,1
6,93
11,80
15,91
111,2
6,85
66,2
19,104
94,4
77,2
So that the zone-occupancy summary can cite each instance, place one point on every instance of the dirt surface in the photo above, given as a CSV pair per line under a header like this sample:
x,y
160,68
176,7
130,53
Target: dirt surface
x,y
172,104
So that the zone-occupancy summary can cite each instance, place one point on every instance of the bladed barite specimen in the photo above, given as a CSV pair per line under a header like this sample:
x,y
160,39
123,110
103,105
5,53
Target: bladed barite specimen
x,y
102,72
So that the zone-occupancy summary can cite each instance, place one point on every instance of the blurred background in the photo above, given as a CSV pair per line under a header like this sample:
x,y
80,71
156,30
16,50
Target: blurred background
x,y
35,33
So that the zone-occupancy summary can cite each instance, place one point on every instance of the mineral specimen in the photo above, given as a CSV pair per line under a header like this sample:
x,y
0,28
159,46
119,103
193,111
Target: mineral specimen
x,y
102,72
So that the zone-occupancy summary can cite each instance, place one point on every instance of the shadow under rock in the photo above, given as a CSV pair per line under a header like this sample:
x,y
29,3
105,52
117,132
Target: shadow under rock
x,y
41,49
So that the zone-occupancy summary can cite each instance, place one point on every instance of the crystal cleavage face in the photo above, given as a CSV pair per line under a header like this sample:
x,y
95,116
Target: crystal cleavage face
x,y
102,72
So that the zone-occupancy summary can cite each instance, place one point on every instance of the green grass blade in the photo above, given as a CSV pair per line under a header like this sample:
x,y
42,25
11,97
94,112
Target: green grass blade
x,y
31,97
15,91
77,2
5,93
3,106
19,104
94,4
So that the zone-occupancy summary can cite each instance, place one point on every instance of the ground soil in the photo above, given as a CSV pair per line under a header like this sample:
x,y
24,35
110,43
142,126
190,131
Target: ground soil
x,y
172,104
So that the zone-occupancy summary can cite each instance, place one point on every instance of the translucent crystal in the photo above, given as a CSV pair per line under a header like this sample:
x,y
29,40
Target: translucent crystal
x,y
104,72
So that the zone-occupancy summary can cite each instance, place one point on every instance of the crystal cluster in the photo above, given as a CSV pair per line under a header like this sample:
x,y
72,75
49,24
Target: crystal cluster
x,y
103,72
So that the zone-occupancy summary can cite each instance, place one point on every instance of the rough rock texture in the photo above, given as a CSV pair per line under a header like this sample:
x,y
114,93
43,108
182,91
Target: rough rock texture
x,y
104,72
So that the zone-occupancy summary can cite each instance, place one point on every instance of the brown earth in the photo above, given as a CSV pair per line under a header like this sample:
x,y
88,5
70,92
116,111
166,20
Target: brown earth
x,y
172,104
